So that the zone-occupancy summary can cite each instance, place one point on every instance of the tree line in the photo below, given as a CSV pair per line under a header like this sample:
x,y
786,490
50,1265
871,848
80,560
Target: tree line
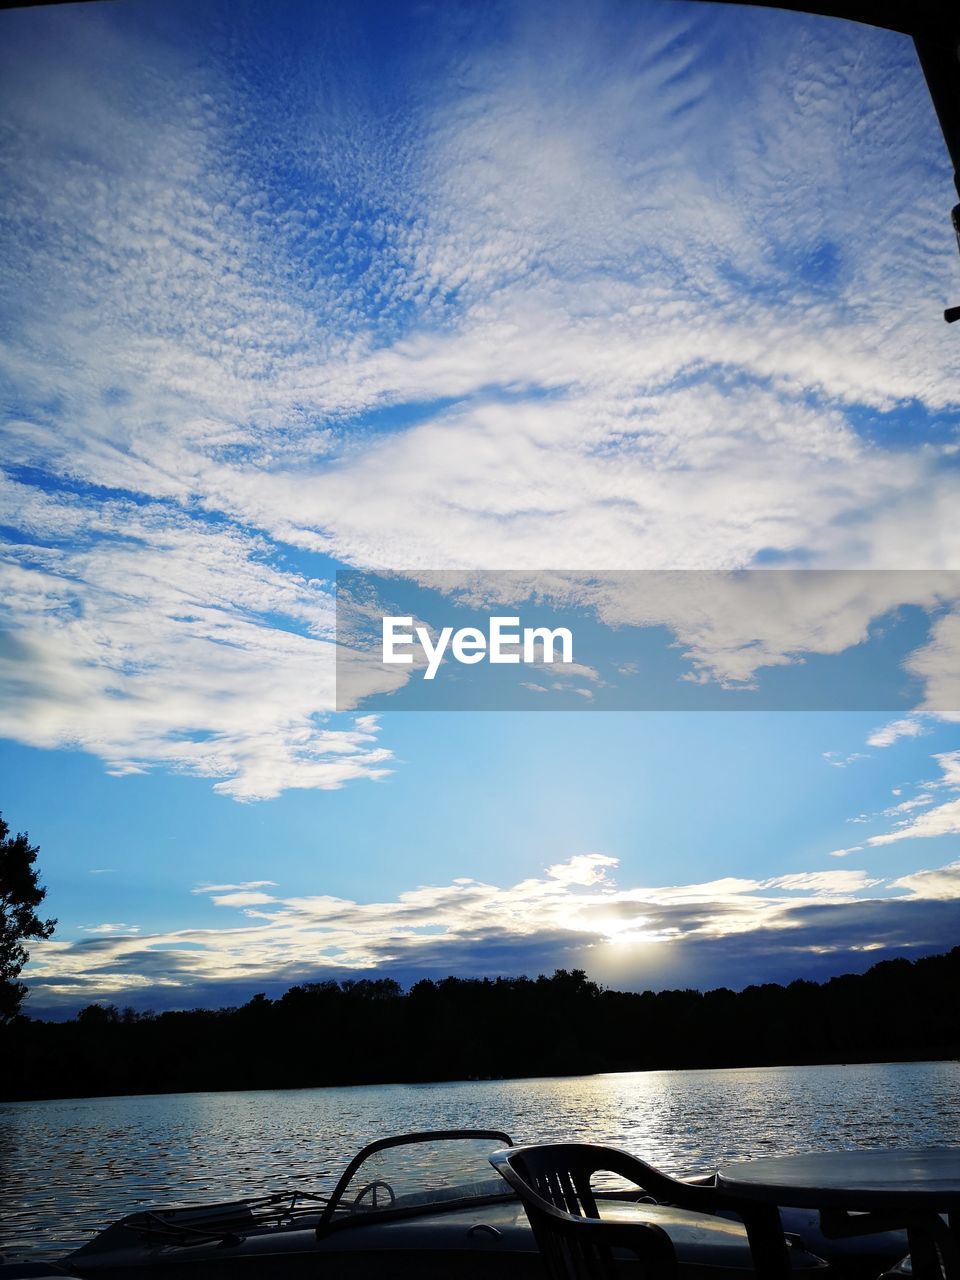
x,y
370,1031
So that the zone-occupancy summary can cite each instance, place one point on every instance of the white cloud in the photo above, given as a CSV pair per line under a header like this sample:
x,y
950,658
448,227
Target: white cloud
x,y
235,888
944,820
909,727
949,762
574,907
938,664
583,869
246,899
642,368
113,930
824,882
907,806
839,760
939,882
160,639
941,820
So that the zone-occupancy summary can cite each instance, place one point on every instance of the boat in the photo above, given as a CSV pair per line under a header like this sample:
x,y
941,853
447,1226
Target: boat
x,y
425,1205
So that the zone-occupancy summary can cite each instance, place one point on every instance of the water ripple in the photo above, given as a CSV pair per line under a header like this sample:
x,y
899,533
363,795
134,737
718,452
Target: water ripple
x,y
69,1167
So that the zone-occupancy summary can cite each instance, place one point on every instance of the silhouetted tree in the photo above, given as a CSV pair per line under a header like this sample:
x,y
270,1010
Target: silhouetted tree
x,y
20,895
365,1030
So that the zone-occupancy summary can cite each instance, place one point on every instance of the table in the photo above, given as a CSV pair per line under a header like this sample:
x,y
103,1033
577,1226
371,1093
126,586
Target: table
x,y
856,1193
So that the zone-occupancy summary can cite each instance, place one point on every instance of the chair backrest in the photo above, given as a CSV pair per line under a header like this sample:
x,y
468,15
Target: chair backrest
x,y
553,1182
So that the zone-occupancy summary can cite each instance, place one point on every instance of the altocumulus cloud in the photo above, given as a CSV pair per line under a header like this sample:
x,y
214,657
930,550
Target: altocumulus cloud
x,y
728,931
154,639
621,323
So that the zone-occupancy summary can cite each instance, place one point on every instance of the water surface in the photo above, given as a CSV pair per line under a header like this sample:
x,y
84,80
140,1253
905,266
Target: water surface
x,y
69,1167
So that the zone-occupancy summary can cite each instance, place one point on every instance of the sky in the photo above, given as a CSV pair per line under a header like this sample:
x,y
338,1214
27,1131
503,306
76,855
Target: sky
x,y
293,289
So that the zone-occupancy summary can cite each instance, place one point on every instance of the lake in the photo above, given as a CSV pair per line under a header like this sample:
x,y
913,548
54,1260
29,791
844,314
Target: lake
x,y
70,1166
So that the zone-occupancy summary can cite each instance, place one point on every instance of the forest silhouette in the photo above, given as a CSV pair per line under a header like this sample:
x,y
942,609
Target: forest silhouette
x,y
370,1030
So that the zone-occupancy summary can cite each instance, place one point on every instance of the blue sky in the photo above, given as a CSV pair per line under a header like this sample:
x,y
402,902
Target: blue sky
x,y
295,288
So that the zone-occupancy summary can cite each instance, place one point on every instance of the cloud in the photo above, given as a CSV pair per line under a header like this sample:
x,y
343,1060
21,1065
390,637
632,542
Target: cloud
x,y
949,762
402,334
158,639
938,664
573,914
839,760
824,882
941,820
921,801
241,899
231,888
940,882
583,869
110,929
909,727
944,820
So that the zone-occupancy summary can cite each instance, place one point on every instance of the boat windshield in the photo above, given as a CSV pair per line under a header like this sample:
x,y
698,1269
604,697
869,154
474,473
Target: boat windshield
x,y
418,1171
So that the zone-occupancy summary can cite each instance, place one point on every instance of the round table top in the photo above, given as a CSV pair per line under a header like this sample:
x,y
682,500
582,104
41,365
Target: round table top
x,y
872,1179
